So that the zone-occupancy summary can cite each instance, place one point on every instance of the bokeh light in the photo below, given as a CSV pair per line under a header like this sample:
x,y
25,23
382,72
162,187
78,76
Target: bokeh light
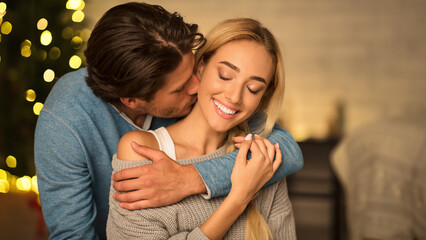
x,y
76,42
85,34
75,62
42,54
6,28
77,16
26,48
73,4
67,33
24,183
54,53
30,95
3,7
42,24
49,75
37,108
46,37
34,184
11,161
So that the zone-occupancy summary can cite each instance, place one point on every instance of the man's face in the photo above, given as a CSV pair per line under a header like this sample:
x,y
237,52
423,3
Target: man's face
x,y
178,95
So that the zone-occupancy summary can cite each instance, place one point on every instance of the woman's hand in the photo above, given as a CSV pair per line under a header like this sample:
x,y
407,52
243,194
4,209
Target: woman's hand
x,y
249,176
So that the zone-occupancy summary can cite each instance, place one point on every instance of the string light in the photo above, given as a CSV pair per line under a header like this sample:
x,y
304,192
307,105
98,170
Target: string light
x,y
67,33
77,16
37,108
24,183
34,184
76,42
46,37
54,53
49,75
30,95
11,161
85,34
73,4
3,7
42,24
26,48
75,62
6,28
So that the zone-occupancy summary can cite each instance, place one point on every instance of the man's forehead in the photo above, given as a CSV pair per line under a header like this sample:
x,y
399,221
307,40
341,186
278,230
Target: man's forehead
x,y
182,73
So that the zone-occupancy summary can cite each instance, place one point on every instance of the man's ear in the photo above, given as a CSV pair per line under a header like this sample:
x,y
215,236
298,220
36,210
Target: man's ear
x,y
131,102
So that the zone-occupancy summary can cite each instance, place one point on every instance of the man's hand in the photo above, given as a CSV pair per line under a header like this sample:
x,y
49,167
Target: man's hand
x,y
161,183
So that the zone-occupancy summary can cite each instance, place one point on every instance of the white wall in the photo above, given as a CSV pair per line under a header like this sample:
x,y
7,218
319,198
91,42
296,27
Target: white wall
x,y
368,55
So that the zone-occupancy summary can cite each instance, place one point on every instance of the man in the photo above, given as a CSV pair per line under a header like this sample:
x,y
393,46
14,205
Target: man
x,y
139,76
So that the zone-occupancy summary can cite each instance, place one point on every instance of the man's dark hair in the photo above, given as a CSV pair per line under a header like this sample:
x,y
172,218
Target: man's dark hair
x,y
133,46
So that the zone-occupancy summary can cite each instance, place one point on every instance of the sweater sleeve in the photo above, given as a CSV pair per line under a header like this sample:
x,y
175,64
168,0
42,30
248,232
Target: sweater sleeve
x,y
153,223
64,181
281,218
216,173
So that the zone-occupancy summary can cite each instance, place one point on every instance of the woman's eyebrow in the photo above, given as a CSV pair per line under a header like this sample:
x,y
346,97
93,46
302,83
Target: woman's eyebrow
x,y
235,68
232,66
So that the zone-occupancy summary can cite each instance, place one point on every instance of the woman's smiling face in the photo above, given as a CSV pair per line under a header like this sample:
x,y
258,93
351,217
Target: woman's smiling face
x,y
233,82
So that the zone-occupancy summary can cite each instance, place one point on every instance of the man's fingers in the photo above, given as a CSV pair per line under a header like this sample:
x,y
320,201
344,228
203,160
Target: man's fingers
x,y
130,185
278,158
147,152
138,205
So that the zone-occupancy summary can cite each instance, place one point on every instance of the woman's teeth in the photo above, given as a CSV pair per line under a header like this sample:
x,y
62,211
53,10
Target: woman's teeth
x,y
224,109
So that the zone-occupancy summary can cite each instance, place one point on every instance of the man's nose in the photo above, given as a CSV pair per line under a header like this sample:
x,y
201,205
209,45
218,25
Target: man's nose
x,y
193,85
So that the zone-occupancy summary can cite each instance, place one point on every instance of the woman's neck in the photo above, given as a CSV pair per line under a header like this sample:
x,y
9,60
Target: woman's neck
x,y
193,137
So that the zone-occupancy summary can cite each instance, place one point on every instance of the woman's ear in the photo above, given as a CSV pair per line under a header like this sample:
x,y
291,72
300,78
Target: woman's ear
x,y
199,69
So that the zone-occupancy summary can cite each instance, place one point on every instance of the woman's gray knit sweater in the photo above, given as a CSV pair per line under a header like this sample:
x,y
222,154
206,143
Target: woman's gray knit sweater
x,y
183,219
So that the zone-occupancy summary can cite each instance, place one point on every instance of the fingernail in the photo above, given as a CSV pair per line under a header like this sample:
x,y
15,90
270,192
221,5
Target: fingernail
x,y
137,144
277,145
248,137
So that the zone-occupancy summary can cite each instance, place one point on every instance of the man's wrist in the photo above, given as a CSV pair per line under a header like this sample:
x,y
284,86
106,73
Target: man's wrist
x,y
193,180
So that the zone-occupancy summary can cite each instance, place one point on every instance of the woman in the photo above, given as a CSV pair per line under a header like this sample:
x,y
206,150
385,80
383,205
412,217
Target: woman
x,y
240,68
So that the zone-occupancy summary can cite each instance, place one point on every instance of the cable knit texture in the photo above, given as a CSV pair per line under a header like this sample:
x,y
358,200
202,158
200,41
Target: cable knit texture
x,y
183,219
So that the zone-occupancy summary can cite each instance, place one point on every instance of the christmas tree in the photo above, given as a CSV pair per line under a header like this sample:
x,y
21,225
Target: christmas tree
x,y
40,41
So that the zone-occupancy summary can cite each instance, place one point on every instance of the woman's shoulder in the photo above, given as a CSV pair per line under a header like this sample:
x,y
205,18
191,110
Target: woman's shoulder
x,y
143,138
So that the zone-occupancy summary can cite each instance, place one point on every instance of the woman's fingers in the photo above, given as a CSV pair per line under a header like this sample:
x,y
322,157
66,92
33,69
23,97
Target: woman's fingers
x,y
244,148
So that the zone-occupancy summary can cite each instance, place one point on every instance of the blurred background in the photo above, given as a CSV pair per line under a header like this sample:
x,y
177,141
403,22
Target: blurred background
x,y
355,102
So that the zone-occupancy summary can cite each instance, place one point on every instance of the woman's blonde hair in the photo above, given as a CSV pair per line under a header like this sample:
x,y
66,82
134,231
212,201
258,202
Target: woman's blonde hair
x,y
270,104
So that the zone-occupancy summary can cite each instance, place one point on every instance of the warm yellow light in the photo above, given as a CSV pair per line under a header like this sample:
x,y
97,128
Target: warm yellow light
x,y
82,5
54,53
67,33
4,186
42,54
3,7
34,185
76,42
49,75
26,51
46,37
30,95
73,4
6,28
42,24
24,183
75,62
3,175
300,132
85,34
77,16
11,161
37,108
